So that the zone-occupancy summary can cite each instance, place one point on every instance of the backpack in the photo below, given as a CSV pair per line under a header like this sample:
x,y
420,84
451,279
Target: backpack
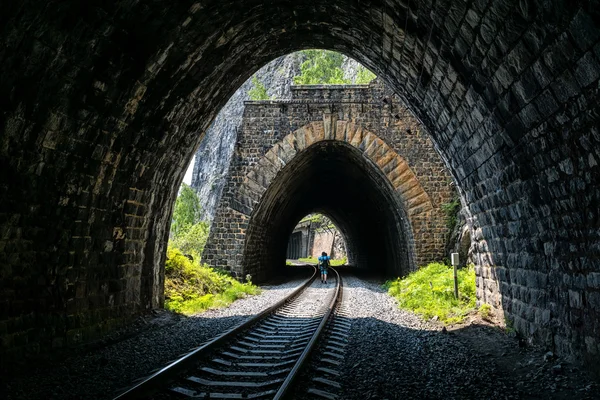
x,y
323,262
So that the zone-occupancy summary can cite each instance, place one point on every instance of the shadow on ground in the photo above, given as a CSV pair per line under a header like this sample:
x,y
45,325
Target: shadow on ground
x,y
386,361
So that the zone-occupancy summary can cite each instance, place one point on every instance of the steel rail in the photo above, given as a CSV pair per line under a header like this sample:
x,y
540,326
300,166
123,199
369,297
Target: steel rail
x,y
287,383
156,380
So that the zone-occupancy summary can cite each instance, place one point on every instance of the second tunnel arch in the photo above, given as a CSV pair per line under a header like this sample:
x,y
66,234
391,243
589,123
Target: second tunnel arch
x,y
354,120
334,178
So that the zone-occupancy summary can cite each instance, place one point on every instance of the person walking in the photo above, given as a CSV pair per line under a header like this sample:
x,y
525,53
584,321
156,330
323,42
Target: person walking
x,y
323,265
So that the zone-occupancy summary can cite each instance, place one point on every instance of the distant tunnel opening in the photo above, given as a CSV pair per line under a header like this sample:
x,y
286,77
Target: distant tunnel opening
x,y
335,179
314,234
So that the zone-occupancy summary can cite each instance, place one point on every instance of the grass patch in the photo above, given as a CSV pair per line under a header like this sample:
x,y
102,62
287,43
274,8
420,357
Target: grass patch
x,y
191,288
429,292
333,263
485,311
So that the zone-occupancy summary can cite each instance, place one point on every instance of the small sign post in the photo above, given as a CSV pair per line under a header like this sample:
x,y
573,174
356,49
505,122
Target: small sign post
x,y
454,259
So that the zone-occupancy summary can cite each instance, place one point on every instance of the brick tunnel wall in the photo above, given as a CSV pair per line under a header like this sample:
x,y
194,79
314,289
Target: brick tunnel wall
x,y
374,108
104,104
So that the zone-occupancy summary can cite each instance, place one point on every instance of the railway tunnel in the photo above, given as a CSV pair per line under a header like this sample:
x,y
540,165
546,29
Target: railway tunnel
x,y
388,195
336,179
105,103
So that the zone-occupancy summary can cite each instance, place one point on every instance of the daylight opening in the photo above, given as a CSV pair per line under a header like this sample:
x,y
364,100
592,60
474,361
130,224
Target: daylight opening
x,y
313,235
187,275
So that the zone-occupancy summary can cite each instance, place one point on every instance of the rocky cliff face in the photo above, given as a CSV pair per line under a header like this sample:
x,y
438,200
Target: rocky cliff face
x,y
212,158
350,67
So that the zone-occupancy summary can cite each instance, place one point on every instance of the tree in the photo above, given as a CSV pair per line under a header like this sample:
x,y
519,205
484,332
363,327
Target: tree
x,y
364,76
192,240
258,91
187,210
188,232
321,67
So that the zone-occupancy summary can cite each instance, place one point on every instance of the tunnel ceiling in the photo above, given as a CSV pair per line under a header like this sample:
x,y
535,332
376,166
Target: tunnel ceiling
x,y
336,179
106,102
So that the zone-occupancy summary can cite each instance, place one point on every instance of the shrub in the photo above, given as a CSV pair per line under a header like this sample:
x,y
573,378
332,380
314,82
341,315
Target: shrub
x,y
188,232
508,326
451,210
192,239
364,76
187,210
258,90
429,292
191,288
321,67
485,311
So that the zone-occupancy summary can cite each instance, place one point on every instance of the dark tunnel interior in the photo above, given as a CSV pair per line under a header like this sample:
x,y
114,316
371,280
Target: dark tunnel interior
x,y
335,179
102,98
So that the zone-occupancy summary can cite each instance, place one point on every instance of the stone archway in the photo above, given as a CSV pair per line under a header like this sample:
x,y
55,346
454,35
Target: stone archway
x,y
394,177
328,176
415,201
102,98
395,168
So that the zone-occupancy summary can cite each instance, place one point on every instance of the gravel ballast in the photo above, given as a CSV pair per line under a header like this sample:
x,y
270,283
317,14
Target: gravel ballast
x,y
392,354
100,373
396,355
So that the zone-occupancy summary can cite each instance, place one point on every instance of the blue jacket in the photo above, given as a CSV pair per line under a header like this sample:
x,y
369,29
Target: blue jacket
x,y
324,258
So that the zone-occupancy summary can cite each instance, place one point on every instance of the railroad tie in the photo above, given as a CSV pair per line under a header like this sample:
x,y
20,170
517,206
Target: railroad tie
x,y
260,357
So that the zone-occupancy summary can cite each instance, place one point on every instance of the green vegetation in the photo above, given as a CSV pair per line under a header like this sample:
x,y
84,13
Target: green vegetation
x,y
451,210
189,286
188,232
485,311
192,288
364,76
192,240
258,91
334,263
508,326
314,218
187,210
321,67
429,292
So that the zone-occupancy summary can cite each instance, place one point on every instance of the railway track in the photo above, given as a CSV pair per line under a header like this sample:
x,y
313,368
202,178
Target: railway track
x,y
258,359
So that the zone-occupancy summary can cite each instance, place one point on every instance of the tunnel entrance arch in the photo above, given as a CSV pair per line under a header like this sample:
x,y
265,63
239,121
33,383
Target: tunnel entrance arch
x,y
404,182
334,178
103,98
